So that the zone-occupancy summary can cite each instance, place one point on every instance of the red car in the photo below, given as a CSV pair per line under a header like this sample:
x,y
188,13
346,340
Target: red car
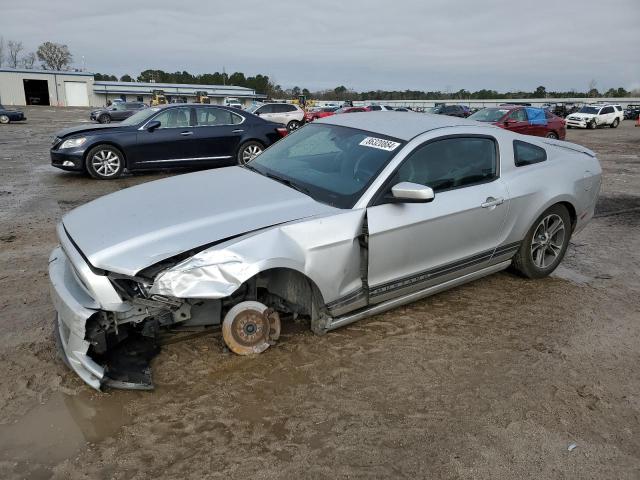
x,y
320,112
525,120
352,109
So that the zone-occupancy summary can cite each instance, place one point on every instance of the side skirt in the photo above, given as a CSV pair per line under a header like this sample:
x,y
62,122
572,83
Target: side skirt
x,y
412,297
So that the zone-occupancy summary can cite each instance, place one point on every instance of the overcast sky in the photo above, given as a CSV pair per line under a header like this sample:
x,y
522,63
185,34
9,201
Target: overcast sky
x,y
364,45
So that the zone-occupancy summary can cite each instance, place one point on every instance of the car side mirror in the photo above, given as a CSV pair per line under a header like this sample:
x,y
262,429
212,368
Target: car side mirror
x,y
408,192
152,125
258,113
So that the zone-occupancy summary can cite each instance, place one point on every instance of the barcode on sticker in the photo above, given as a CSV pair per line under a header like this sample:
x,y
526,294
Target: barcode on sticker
x,y
380,143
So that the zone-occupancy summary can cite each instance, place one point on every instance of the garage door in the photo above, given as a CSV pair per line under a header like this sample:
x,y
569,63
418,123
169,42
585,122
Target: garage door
x,y
76,93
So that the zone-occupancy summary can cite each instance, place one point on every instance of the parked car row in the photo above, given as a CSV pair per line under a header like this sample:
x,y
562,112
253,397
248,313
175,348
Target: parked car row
x,y
632,112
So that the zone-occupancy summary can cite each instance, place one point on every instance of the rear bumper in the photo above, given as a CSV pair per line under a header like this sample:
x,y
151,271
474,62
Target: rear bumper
x,y
73,307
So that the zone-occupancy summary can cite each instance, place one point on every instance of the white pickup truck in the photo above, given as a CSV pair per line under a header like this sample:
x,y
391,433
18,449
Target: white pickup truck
x,y
596,115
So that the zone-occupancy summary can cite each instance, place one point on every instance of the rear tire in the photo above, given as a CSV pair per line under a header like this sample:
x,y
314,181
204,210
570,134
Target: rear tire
x,y
4,119
104,119
552,135
248,151
545,244
104,162
615,123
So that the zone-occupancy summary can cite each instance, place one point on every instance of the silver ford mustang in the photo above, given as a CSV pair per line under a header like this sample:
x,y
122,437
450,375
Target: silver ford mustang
x,y
345,218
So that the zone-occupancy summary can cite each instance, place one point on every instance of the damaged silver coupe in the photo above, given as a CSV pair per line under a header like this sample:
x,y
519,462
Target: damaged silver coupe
x,y
345,218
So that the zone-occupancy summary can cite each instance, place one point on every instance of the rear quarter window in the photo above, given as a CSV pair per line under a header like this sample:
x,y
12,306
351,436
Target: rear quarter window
x,y
527,154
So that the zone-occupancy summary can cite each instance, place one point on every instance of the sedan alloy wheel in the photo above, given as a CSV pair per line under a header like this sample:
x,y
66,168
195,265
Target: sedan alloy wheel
x,y
548,241
249,152
105,162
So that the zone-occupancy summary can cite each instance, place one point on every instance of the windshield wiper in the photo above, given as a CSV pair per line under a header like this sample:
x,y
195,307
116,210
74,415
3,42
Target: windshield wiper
x,y
288,183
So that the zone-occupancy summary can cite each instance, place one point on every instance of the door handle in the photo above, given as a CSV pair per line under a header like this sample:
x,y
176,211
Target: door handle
x,y
239,130
184,134
492,202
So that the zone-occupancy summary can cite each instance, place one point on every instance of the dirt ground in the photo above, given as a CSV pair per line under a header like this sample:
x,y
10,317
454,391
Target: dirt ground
x,y
494,379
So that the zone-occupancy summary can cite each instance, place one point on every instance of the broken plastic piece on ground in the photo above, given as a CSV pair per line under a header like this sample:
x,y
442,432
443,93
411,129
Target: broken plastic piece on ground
x,y
572,446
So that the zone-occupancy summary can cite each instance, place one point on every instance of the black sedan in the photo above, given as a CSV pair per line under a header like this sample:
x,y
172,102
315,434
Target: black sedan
x,y
165,137
116,112
7,116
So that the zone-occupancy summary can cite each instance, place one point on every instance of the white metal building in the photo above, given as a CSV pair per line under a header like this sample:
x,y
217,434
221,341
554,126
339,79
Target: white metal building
x,y
79,89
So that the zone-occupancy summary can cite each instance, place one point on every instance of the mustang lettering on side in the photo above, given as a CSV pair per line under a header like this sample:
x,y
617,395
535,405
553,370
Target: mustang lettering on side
x,y
320,225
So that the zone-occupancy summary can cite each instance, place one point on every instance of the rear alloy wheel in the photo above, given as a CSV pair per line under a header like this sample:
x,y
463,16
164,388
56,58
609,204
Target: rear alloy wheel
x,y
105,162
250,327
544,246
552,135
293,125
104,119
248,151
615,123
4,119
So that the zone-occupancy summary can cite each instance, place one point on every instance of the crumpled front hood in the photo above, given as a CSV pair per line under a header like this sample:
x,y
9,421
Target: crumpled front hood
x,y
132,229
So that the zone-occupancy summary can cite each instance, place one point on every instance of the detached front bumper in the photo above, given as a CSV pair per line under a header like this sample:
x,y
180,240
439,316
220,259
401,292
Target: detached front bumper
x,y
74,307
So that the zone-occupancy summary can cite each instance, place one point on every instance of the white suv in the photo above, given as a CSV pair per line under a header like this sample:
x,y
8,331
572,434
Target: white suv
x,y
596,115
286,113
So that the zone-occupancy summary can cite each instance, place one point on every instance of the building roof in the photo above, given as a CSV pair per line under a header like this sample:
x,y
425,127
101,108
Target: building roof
x,y
100,86
401,125
49,72
161,86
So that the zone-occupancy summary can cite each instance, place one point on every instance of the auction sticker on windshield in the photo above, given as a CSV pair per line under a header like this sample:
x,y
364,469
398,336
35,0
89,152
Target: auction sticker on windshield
x,y
380,143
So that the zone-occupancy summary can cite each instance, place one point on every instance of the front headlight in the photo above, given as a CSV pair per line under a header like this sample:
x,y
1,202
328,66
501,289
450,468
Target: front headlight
x,y
73,142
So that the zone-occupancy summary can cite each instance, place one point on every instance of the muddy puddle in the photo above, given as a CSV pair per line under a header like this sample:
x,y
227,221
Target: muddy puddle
x,y
58,428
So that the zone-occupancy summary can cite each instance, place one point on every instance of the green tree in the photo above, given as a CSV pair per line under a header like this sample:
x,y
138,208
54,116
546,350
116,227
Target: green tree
x,y
541,92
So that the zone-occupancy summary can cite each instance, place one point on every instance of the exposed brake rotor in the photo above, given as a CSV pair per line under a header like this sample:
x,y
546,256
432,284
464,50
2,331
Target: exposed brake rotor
x,y
250,327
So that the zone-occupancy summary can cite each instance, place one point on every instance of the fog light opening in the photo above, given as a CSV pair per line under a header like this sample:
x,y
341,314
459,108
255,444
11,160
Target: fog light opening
x,y
68,163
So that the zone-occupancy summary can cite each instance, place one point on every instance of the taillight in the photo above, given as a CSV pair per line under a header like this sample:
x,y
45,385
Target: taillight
x,y
283,132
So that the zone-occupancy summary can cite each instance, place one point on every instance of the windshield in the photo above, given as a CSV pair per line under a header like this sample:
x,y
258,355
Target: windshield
x,y
140,117
593,110
332,164
254,107
489,114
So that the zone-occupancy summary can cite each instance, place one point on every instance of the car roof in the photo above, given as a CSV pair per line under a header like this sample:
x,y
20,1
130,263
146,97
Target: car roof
x,y
396,124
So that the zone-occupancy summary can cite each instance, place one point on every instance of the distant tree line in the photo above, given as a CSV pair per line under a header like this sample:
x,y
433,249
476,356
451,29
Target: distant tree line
x,y
55,56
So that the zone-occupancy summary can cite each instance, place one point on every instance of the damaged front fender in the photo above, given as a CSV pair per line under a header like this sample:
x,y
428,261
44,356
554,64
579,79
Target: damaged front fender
x,y
316,248
209,274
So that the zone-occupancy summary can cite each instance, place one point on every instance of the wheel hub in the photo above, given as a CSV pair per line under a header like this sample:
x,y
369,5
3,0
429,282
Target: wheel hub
x,y
250,327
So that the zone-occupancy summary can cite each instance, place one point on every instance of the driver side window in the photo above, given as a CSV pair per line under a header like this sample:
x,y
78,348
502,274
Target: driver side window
x,y
174,118
450,163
